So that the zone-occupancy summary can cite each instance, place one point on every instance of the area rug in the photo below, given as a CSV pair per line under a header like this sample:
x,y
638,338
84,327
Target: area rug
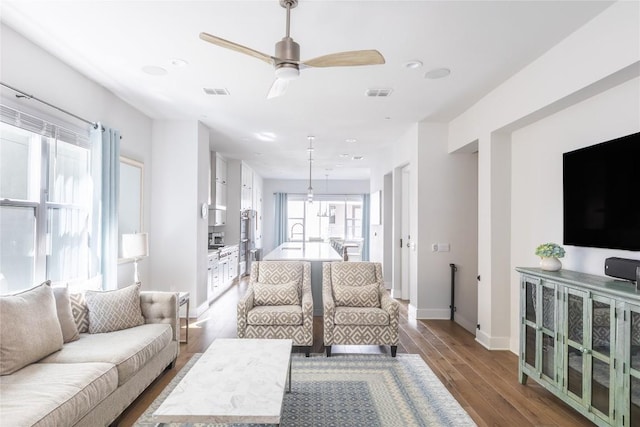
x,y
354,390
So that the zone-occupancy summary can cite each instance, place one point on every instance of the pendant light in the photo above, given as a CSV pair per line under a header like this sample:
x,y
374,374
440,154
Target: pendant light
x,y
310,189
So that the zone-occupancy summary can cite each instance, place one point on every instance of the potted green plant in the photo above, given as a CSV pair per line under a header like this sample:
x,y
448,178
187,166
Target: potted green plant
x,y
549,254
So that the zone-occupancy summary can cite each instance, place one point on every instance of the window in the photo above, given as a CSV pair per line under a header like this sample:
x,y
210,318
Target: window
x,y
46,203
328,217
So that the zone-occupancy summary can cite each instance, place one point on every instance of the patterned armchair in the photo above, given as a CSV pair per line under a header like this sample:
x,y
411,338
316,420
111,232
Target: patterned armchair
x,y
357,307
278,303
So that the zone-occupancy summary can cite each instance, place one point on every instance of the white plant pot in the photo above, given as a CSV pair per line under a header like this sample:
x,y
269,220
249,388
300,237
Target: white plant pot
x,y
550,264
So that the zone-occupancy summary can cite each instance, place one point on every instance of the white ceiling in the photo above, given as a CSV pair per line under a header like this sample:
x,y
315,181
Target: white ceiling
x,y
482,42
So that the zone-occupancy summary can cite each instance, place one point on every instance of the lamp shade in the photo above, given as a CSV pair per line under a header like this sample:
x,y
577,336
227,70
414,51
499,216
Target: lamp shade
x,y
135,245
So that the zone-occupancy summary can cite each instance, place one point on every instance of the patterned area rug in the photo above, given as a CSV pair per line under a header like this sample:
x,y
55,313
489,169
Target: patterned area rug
x,y
355,390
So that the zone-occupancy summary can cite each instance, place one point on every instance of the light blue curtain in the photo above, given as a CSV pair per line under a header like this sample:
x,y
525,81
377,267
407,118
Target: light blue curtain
x,y
366,222
106,142
281,215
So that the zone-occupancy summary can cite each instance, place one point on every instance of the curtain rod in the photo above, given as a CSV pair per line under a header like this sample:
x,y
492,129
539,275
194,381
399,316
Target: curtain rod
x,y
22,94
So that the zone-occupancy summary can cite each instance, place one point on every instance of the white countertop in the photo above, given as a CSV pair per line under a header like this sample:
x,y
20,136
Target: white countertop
x,y
303,251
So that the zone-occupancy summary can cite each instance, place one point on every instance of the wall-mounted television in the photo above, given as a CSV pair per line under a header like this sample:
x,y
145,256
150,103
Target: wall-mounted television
x,y
601,195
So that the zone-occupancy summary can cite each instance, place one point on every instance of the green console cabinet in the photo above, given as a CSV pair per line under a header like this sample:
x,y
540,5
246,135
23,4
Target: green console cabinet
x,y
580,339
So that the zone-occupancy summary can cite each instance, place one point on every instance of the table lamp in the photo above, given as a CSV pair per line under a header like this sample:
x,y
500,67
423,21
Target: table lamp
x,y
135,246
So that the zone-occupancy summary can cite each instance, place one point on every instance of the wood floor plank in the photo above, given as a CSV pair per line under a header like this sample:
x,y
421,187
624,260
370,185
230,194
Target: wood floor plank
x,y
484,382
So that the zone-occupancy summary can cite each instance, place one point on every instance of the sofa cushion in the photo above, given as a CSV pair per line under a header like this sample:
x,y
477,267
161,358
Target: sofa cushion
x,y
360,316
275,315
65,316
29,328
49,394
276,294
128,349
114,310
80,311
356,296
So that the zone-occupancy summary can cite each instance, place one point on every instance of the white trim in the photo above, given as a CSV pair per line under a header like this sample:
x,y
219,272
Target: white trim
x,y
492,343
465,323
433,313
412,312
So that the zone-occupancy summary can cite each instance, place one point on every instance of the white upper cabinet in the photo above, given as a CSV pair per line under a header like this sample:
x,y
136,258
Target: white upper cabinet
x,y
218,182
246,197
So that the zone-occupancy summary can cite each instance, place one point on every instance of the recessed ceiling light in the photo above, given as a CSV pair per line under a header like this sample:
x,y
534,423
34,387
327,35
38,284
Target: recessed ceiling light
x,y
328,169
216,91
177,62
437,73
413,64
266,136
378,92
344,155
350,140
154,70
357,158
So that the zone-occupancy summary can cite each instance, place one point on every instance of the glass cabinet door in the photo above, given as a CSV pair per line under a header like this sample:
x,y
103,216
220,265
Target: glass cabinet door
x,y
539,311
632,356
601,354
574,369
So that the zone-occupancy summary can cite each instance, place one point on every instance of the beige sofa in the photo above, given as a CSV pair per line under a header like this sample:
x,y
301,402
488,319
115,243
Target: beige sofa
x,y
91,380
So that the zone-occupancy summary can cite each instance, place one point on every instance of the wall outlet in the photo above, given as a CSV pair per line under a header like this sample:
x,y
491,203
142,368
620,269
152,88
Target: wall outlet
x,y
440,247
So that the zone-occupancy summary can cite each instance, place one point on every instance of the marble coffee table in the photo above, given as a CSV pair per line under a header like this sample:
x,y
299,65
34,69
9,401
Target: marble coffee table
x,y
234,381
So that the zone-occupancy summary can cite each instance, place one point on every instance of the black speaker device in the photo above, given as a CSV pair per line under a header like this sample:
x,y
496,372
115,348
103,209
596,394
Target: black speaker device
x,y
622,268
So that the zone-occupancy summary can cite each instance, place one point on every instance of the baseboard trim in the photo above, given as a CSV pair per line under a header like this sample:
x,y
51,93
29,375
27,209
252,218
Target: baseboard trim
x,y
492,343
433,313
465,323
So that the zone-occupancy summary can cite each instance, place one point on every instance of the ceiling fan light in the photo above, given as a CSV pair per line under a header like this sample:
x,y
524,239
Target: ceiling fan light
x,y
287,72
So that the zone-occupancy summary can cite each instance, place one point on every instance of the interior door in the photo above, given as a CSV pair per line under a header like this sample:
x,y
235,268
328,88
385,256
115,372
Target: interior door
x,y
405,239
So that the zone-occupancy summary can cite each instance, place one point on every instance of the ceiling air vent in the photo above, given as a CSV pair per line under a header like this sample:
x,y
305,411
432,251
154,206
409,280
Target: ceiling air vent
x,y
216,91
378,92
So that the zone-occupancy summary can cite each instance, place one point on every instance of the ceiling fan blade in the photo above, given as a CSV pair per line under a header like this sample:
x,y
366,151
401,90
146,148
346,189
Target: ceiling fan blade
x,y
237,47
279,87
347,59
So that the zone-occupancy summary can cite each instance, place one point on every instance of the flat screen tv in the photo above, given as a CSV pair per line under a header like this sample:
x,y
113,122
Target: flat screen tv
x,y
601,195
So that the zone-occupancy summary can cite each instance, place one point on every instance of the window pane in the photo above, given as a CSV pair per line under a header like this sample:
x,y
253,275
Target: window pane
x,y
69,180
17,248
19,160
68,254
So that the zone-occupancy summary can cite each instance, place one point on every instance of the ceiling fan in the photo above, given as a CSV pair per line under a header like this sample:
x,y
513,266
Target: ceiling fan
x,y
287,56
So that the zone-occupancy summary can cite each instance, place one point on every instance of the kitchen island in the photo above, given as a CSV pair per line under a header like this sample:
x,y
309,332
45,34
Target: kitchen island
x,y
314,252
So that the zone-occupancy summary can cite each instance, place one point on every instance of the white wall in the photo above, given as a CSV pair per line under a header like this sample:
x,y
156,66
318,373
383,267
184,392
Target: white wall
x,y
593,60
177,237
27,67
447,214
537,179
299,186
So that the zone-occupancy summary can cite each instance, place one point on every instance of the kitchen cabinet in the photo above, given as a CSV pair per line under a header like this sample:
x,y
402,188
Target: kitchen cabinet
x,y
580,339
246,188
218,182
213,282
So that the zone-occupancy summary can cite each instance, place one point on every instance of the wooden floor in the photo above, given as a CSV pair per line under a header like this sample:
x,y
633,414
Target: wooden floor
x,y
484,382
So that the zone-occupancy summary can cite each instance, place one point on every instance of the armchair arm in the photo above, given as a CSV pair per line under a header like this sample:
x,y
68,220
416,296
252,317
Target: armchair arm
x,y
245,304
161,307
391,306
307,302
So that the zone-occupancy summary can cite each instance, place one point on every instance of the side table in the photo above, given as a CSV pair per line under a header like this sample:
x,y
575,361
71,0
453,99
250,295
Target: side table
x,y
183,299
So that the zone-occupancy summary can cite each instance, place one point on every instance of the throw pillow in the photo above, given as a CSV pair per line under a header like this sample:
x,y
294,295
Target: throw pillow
x,y
65,316
29,328
80,312
276,294
357,296
114,310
